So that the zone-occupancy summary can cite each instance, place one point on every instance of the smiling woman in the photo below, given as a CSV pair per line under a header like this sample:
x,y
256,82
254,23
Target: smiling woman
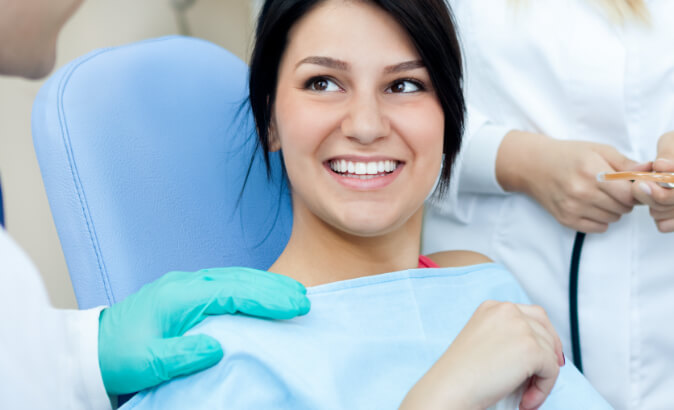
x,y
363,98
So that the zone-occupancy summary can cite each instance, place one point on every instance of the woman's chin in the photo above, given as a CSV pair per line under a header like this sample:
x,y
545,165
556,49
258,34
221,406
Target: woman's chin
x,y
369,220
369,227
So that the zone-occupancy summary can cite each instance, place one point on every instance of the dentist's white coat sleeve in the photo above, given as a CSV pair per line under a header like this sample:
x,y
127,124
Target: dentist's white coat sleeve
x,y
48,357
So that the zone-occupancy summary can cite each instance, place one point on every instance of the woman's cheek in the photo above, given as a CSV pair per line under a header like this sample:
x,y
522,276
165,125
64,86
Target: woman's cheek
x,y
309,121
422,127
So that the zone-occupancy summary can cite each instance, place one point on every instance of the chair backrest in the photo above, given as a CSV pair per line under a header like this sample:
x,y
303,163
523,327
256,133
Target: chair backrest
x,y
144,150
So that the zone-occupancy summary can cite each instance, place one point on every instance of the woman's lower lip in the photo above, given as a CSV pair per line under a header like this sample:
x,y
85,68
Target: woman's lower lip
x,y
377,182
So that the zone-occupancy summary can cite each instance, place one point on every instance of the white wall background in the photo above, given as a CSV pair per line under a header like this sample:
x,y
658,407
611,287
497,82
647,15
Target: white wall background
x,y
96,24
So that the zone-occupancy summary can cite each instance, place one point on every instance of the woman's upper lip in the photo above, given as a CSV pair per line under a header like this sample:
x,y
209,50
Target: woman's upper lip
x,y
362,158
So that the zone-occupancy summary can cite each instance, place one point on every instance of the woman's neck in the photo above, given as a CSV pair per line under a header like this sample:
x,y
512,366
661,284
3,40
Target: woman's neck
x,y
317,253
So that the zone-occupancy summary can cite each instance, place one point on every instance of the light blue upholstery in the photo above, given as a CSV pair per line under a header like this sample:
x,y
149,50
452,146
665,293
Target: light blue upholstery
x,y
144,150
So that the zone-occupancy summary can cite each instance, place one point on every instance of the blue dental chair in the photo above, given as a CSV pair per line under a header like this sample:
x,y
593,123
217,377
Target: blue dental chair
x,y
144,150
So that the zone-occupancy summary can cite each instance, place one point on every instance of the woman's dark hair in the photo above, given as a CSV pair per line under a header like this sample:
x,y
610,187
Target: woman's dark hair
x,y
429,24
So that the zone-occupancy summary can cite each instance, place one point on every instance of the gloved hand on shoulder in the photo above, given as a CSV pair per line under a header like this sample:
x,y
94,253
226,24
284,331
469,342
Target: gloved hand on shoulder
x,y
141,342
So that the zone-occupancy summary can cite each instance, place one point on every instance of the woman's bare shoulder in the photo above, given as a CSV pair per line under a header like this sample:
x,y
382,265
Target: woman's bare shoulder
x,y
454,259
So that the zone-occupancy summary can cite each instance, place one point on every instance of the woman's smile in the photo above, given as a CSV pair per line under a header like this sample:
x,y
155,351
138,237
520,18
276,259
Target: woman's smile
x,y
358,122
364,173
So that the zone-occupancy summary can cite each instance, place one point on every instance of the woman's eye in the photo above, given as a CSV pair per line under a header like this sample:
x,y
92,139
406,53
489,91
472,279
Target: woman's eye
x,y
405,86
322,84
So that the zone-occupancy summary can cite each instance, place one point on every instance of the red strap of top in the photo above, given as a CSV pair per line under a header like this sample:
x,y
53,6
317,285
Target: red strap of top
x,y
425,262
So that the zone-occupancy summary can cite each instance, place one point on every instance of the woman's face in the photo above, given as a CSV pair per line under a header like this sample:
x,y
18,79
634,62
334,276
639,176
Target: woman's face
x,y
357,119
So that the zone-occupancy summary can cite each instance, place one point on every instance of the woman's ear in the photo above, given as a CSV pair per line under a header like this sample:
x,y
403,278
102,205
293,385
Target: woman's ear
x,y
272,136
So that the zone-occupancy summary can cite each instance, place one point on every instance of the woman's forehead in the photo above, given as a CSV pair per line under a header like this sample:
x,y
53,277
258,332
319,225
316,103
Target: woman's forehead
x,y
349,31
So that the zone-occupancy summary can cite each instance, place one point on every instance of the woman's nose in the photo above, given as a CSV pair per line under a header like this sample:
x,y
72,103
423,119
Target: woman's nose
x,y
365,121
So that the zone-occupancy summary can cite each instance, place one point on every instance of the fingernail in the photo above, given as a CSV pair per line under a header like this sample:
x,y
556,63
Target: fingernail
x,y
665,159
645,188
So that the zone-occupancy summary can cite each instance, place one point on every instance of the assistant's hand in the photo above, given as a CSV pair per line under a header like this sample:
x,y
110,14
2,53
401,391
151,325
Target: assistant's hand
x,y
502,346
141,342
562,177
659,199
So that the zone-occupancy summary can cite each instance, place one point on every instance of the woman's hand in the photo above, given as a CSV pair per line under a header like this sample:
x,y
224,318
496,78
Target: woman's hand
x,y
502,347
562,177
659,199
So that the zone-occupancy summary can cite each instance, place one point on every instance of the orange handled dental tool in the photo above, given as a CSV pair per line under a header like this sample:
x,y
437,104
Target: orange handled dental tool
x,y
665,179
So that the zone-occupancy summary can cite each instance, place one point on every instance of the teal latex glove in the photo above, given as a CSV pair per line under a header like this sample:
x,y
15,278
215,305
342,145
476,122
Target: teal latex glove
x,y
141,342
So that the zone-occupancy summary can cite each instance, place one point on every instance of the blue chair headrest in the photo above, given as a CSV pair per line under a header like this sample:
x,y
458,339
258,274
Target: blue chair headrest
x,y
144,150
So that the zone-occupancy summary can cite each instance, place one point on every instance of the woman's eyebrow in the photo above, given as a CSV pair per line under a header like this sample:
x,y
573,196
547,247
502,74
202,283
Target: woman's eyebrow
x,y
344,66
326,62
405,66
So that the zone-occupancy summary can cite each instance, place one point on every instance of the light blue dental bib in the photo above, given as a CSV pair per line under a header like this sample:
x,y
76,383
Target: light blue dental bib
x,y
364,344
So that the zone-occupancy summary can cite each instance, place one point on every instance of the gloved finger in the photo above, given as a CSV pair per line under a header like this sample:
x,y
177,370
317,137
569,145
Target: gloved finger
x,y
230,274
248,291
179,356
260,303
229,291
243,276
253,276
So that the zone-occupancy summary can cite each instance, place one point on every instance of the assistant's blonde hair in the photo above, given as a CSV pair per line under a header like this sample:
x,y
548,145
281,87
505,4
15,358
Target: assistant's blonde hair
x,y
622,10
618,10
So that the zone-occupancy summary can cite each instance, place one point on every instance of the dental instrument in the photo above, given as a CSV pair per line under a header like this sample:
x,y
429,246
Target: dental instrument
x,y
664,179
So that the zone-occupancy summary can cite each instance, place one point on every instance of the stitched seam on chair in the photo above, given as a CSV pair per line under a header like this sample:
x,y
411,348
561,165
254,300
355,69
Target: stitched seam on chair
x,y
73,167
65,135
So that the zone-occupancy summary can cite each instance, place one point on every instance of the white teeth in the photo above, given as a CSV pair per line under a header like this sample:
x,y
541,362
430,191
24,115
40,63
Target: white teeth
x,y
372,168
364,169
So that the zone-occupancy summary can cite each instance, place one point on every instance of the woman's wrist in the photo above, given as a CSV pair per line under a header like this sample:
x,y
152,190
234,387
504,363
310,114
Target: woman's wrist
x,y
441,388
427,398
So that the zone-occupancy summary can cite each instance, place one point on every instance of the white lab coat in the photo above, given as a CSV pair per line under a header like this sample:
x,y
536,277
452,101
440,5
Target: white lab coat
x,y
48,357
562,68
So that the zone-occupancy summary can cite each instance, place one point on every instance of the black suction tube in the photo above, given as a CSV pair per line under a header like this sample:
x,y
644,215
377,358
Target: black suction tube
x,y
573,300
